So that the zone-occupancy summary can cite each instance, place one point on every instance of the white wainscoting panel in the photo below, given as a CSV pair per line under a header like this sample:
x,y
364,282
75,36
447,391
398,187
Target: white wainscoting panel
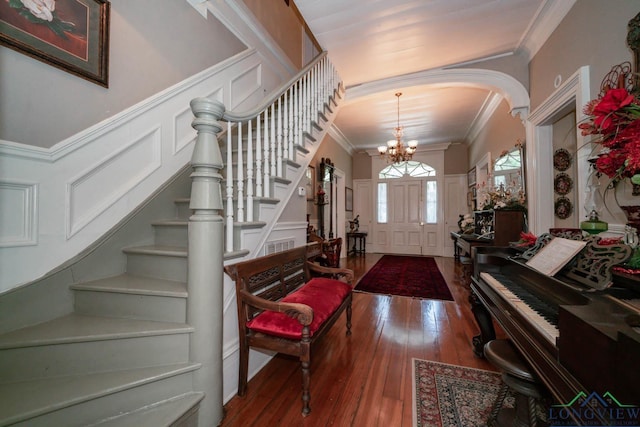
x,y
245,85
18,213
55,203
118,173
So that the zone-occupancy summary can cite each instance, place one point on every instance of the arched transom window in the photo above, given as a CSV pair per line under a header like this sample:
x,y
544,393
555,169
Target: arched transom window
x,y
410,168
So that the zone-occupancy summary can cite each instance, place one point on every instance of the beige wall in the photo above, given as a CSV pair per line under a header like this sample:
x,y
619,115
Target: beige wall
x,y
340,158
593,33
154,44
283,24
456,159
500,133
361,166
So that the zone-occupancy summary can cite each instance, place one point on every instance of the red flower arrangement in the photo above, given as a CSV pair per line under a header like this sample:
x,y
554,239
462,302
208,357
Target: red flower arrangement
x,y
615,119
527,239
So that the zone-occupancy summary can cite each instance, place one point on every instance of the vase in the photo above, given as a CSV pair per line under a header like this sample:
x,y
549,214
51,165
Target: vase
x,y
632,213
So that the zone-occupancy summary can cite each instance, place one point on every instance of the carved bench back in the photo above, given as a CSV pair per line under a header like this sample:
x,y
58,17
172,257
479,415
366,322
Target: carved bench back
x,y
271,277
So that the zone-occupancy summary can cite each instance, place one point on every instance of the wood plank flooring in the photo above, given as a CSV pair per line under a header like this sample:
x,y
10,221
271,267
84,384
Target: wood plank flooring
x,y
365,379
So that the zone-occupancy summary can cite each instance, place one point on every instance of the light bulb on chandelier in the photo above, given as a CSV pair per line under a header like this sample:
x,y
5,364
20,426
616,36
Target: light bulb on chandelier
x,y
396,151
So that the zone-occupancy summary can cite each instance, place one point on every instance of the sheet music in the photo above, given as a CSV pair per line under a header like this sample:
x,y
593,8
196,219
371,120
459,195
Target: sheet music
x,y
555,255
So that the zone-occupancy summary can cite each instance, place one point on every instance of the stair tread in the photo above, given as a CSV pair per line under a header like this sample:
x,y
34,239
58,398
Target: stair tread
x,y
171,222
78,328
177,251
130,284
27,399
162,414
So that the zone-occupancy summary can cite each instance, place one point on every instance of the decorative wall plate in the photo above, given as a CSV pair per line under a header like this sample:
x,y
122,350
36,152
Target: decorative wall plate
x,y
563,208
562,184
561,159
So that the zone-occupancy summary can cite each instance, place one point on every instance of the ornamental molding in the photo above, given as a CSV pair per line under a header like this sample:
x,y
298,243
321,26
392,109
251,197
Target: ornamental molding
x,y
505,85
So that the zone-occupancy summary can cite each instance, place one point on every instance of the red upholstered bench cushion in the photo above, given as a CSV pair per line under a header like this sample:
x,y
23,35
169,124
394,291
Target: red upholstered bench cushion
x,y
323,295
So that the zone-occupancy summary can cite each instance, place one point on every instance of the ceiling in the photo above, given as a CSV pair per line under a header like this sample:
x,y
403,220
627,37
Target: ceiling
x,y
377,45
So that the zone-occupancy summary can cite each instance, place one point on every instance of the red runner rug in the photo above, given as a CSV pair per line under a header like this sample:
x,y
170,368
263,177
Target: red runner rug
x,y
408,276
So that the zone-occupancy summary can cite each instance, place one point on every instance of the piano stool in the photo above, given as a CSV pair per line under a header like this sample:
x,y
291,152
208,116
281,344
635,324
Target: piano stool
x,y
517,377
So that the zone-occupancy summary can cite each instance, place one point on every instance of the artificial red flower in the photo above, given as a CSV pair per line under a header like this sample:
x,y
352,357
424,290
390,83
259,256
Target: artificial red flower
x,y
615,119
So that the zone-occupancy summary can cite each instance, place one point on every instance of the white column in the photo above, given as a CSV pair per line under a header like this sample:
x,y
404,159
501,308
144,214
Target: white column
x,y
205,261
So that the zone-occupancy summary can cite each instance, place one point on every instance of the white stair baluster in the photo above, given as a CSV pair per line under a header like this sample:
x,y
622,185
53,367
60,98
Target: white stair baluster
x,y
265,131
249,173
279,152
240,177
229,178
259,188
272,134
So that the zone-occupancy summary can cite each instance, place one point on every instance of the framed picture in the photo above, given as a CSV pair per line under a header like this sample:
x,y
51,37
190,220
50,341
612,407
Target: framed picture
x,y
348,199
471,177
311,183
72,35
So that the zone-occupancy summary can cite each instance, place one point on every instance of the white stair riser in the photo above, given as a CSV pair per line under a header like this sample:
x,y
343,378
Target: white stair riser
x,y
161,267
94,356
131,306
102,407
182,210
172,235
181,411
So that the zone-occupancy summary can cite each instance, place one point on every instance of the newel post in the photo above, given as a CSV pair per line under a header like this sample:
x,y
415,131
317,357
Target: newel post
x,y
206,257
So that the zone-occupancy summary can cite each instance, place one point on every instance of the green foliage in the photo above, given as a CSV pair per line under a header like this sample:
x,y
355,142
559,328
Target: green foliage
x,y
634,261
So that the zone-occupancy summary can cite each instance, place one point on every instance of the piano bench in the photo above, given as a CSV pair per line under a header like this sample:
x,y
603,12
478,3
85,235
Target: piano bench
x,y
517,377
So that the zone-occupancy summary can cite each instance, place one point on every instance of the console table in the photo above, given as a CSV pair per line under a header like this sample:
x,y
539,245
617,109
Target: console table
x,y
358,238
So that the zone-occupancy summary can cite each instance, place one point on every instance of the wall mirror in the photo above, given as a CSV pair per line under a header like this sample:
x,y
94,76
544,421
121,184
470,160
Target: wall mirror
x,y
483,171
508,169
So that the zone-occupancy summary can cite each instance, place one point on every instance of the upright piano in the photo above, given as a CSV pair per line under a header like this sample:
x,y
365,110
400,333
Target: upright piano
x,y
579,330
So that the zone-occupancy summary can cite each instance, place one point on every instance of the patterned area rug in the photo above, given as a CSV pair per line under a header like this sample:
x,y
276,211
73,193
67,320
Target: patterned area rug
x,y
453,396
408,276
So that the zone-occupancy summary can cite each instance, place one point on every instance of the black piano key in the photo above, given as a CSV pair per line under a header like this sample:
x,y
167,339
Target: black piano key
x,y
547,309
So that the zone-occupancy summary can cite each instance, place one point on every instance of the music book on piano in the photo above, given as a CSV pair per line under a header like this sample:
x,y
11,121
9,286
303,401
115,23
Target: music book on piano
x,y
555,255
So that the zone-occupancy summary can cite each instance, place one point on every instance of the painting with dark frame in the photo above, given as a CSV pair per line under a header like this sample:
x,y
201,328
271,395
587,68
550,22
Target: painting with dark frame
x,y
72,35
348,199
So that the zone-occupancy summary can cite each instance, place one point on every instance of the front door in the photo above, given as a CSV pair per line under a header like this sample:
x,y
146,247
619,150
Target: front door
x,y
405,217
409,227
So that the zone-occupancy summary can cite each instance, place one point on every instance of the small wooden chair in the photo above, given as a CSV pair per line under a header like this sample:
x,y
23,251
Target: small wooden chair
x,y
331,250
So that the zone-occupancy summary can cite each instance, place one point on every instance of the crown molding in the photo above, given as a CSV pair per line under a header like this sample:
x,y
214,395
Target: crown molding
x,y
490,105
508,87
546,20
337,135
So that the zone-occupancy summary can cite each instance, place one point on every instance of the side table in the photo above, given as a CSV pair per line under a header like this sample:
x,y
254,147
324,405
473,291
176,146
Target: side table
x,y
359,243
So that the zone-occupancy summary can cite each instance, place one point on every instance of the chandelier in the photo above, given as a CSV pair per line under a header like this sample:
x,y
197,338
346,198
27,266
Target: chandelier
x,y
395,151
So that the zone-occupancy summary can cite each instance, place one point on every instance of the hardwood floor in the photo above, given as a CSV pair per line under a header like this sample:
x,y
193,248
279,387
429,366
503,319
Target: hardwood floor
x,y
365,379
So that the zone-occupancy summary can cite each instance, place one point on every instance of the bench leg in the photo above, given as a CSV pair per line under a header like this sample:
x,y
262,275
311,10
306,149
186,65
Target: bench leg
x,y
244,367
349,319
305,362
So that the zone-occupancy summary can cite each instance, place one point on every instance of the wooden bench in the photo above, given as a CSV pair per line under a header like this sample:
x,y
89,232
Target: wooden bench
x,y
287,303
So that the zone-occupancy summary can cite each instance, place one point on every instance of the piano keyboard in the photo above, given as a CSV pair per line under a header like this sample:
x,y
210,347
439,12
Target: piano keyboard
x,y
541,315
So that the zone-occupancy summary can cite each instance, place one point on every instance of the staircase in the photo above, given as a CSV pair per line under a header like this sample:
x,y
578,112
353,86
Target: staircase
x,y
129,354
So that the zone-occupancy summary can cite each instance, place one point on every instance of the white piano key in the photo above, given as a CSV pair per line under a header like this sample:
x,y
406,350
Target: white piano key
x,y
548,330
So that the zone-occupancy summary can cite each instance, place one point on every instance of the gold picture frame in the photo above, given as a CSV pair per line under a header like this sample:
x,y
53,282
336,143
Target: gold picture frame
x,y
310,184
